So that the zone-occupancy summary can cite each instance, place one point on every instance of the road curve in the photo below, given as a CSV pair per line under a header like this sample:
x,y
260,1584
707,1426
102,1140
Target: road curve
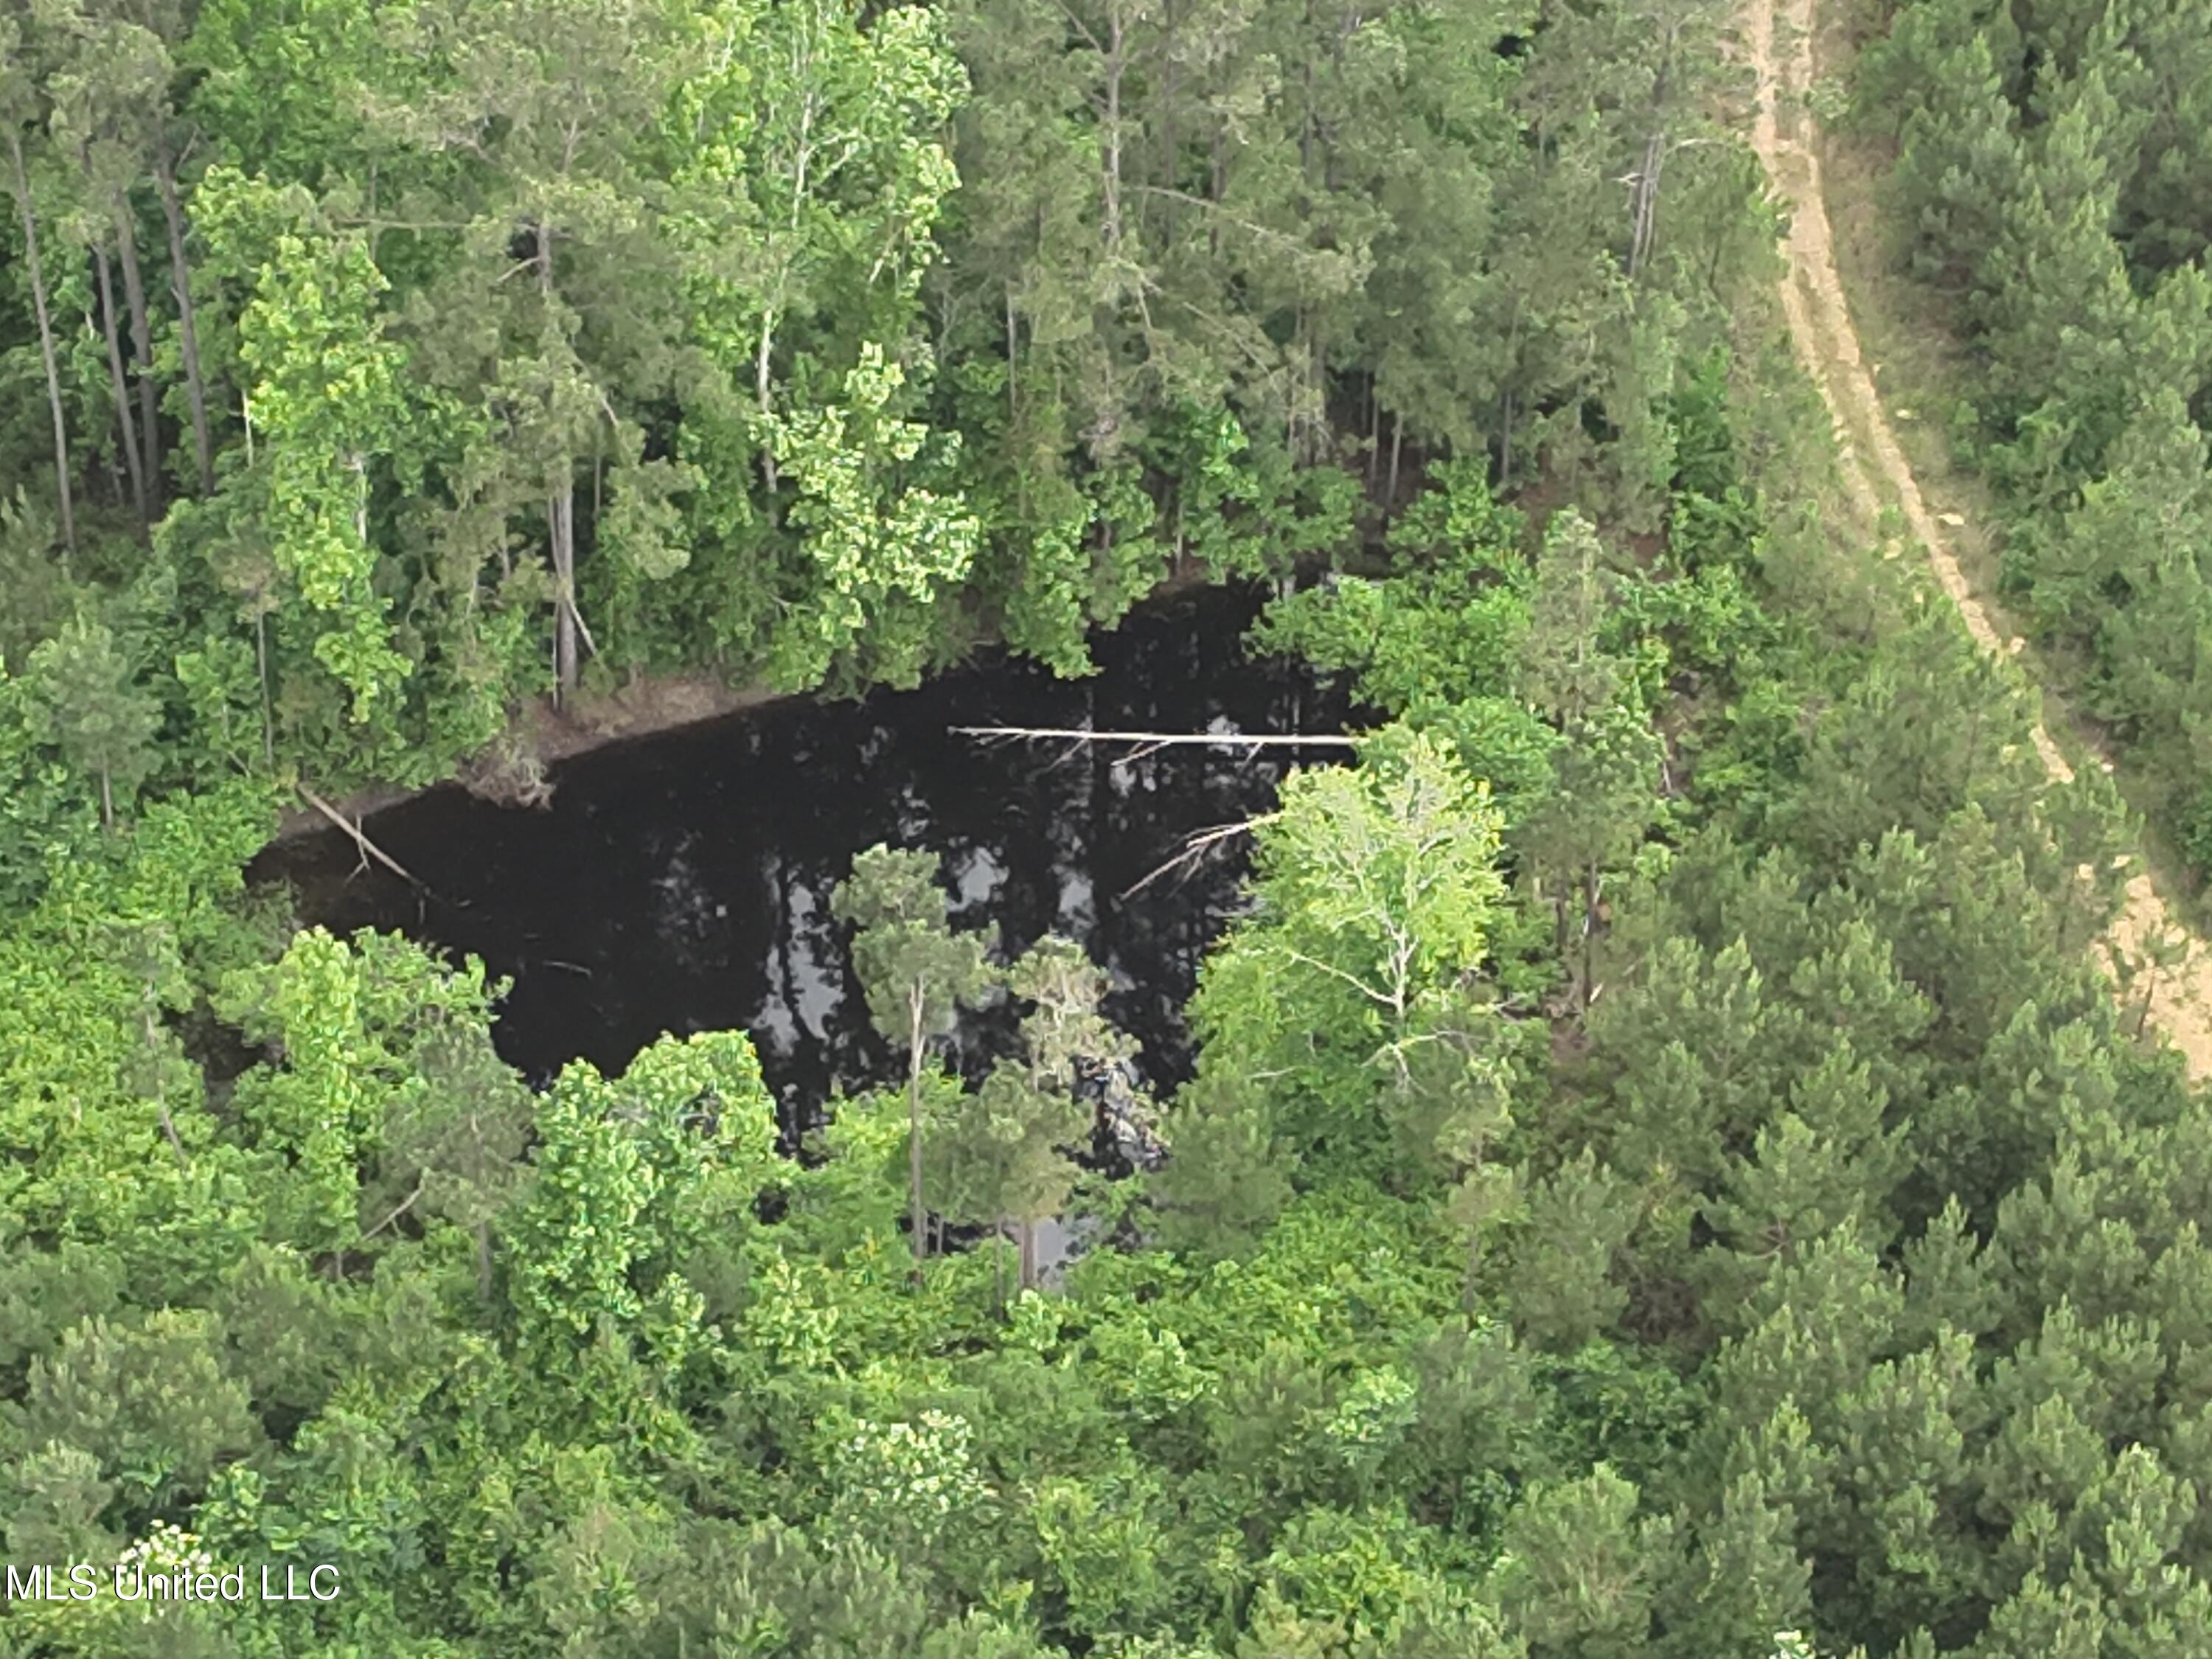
x,y
1828,344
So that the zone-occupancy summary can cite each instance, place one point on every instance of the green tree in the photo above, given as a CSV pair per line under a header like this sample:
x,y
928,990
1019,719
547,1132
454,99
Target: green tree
x,y
18,107
1006,1152
546,110
452,1140
93,711
1565,670
885,524
916,974
150,1403
1603,796
1577,1575
629,1176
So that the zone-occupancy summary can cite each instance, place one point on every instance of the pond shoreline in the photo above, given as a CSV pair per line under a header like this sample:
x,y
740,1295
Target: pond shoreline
x,y
681,882
544,737
653,705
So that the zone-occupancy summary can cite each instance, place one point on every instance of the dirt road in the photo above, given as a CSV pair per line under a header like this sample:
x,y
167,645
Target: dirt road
x,y
1820,323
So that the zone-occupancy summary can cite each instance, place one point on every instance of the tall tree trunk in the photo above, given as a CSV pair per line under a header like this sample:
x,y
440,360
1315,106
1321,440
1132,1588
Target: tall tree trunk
x,y
142,351
261,662
150,1026
917,1217
561,514
1374,432
560,520
1645,204
46,343
1506,400
1591,890
164,175
1029,1268
484,1259
1116,66
1170,168
1471,1278
1217,187
120,390
761,362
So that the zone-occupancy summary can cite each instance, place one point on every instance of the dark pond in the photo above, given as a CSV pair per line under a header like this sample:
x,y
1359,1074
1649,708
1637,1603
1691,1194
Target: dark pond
x,y
681,883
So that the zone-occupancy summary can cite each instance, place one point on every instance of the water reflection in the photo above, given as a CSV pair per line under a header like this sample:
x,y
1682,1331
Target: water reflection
x,y
682,883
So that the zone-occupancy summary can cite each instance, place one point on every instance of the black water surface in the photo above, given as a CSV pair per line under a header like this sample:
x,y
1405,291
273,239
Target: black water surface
x,y
681,883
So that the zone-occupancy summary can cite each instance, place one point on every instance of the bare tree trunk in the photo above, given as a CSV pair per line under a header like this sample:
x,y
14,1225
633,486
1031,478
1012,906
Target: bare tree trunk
x,y
161,1099
1591,890
107,806
1397,442
1374,433
761,392
117,386
1217,187
261,662
484,1259
1644,198
1505,403
1170,93
46,343
1469,1285
1116,66
561,515
142,351
1027,1233
164,175
917,1216
560,522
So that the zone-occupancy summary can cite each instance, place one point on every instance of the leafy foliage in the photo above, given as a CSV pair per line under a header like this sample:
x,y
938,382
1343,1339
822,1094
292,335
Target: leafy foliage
x,y
1660,1176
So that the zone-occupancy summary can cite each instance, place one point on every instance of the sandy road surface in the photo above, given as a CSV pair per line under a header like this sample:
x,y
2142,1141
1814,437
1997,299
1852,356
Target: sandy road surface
x,y
1820,323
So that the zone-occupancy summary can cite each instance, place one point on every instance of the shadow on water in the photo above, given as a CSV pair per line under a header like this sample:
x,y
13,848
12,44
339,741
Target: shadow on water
x,y
682,883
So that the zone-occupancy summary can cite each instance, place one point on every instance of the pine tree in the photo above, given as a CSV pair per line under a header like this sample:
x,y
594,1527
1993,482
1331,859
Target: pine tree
x,y
917,973
94,712
1009,1149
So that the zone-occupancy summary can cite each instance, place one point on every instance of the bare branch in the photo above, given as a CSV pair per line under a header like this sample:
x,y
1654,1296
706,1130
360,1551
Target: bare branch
x,y
1161,739
1197,846
405,1204
369,850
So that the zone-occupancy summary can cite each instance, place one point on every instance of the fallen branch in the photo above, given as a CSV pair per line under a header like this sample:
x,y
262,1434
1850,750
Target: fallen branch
x,y
1160,739
1197,846
369,850
583,628
405,1204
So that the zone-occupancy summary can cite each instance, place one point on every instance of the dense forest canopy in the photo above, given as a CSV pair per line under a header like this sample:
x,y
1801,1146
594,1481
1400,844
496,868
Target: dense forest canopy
x,y
1663,1174
2053,182
383,365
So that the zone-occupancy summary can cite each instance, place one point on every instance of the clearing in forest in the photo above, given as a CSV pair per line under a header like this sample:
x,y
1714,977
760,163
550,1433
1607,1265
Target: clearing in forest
x,y
1820,325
